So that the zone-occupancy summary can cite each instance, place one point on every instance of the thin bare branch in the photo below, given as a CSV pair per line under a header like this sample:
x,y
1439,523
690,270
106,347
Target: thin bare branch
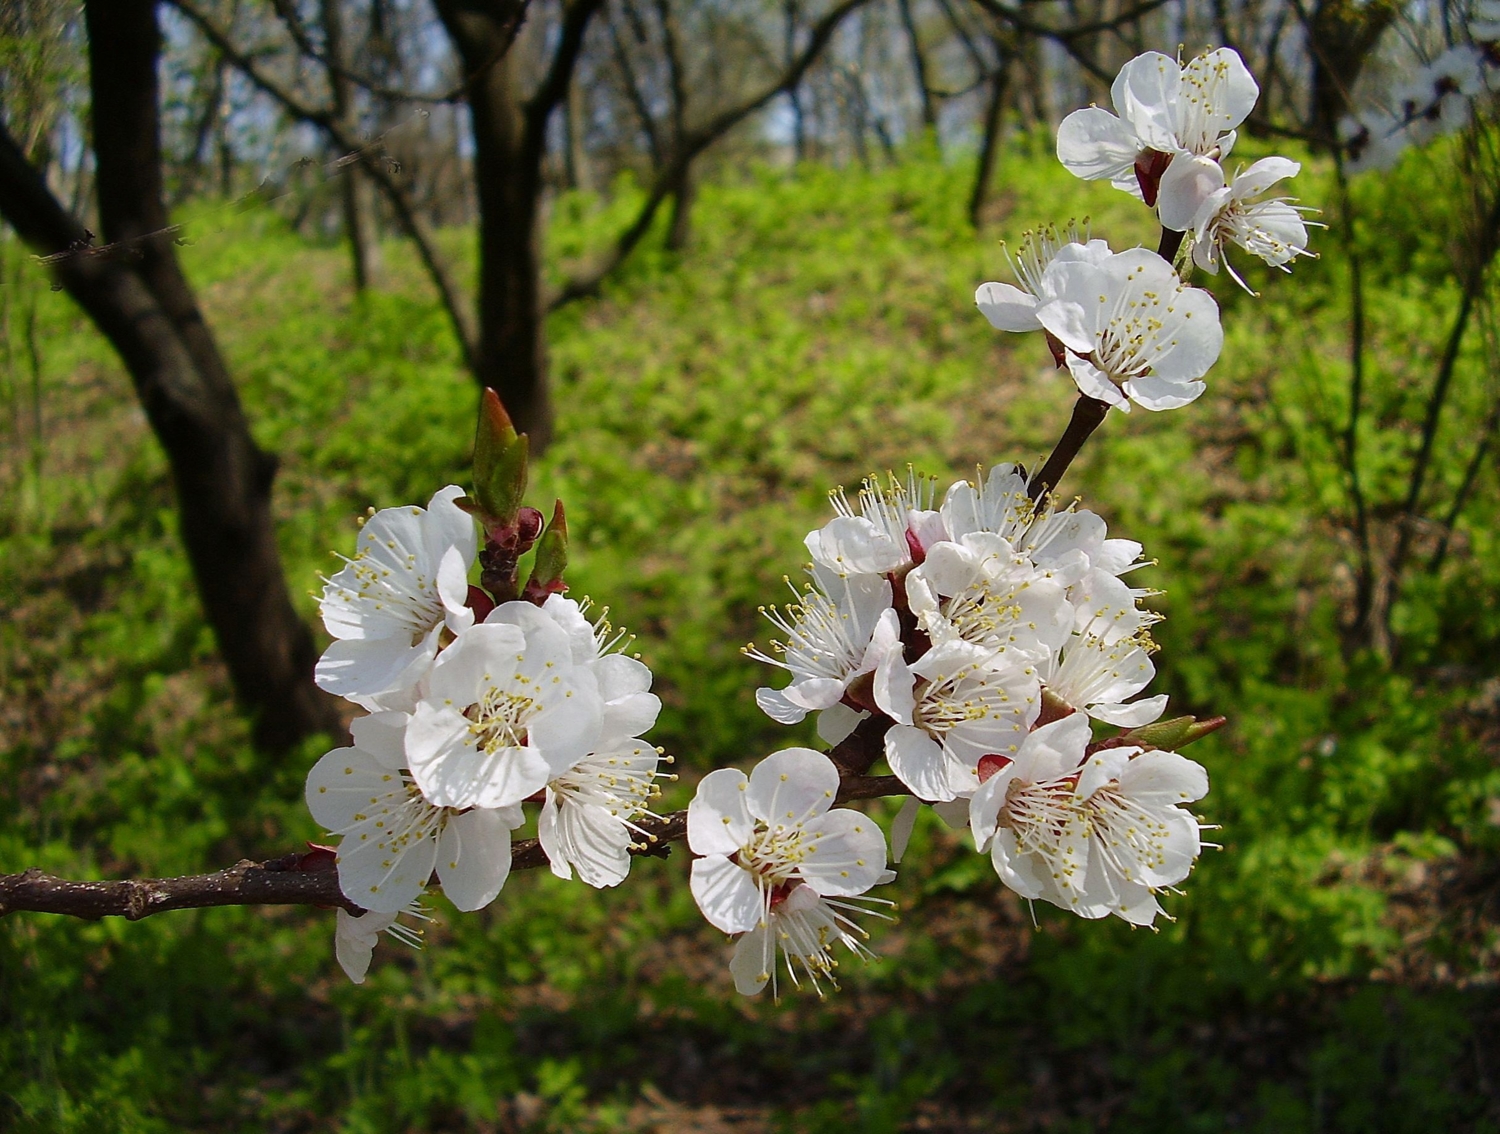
x,y
588,281
401,203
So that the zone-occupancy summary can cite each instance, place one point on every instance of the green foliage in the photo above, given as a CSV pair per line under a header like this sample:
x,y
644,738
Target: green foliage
x,y
820,328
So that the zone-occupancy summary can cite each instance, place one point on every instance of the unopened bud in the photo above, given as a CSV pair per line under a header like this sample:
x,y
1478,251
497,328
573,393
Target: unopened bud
x,y
1173,734
551,560
500,457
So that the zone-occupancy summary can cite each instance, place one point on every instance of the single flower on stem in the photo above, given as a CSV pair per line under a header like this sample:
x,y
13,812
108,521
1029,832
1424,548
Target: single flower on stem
x,y
1134,332
588,819
1165,111
1096,834
842,626
392,838
780,867
1195,199
891,528
952,706
388,608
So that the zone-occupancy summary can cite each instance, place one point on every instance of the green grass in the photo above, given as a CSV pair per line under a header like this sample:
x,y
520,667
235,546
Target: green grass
x,y
1327,971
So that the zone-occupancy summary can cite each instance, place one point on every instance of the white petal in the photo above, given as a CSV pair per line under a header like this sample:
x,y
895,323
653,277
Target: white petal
x,y
791,786
1155,393
551,839
754,958
918,762
774,703
903,825
893,688
383,736
1007,308
453,590
596,843
1233,90
1262,175
719,819
726,894
1146,94
1133,715
848,856
474,857
1188,183
1095,383
1095,145
358,668
836,722
1020,872
380,878
1100,769
452,772
1163,778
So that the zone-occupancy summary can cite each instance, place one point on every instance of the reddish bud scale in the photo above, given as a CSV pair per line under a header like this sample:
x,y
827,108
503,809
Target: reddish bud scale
x,y
480,603
1149,167
989,765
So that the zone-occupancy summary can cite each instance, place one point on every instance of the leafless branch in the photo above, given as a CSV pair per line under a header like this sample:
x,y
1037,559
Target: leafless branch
x,y
588,281
401,203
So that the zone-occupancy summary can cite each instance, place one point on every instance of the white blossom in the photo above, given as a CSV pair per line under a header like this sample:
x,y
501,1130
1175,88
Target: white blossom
x,y
779,866
1272,229
841,626
1164,110
1133,331
588,816
387,608
952,707
890,529
354,938
1012,308
1096,834
504,711
392,837
1107,659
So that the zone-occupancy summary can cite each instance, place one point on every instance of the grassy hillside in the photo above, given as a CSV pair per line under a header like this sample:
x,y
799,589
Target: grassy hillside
x,y
1329,970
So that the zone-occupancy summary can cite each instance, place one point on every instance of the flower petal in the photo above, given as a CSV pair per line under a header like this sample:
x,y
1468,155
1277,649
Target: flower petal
x,y
719,820
473,859
847,856
726,894
792,786
1008,308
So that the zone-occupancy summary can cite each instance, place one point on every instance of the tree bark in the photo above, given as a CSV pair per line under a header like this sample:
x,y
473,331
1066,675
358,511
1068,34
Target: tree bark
x,y
354,191
989,147
1341,35
509,145
136,294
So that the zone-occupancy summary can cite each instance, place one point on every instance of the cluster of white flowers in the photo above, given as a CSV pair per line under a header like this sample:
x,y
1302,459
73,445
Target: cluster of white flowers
x,y
468,718
986,633
983,635
1439,99
1175,125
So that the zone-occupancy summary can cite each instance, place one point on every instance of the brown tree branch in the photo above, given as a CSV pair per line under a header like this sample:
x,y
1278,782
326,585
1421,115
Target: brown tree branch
x,y
286,881
1066,37
588,281
370,159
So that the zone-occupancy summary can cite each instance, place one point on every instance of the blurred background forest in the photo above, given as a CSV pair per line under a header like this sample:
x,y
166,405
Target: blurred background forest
x,y
721,254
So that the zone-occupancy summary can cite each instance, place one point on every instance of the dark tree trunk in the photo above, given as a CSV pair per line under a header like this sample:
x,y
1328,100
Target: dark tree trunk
x,y
989,146
919,66
1340,37
509,144
354,190
140,300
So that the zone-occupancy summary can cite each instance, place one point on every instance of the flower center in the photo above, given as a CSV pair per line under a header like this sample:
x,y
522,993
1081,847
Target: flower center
x,y
498,719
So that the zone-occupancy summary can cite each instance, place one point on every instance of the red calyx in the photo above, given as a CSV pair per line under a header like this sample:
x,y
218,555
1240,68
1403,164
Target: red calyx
x,y
781,891
480,603
989,765
1149,167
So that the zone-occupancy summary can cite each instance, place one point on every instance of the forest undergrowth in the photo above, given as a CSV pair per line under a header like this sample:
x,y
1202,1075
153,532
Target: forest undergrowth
x,y
1331,969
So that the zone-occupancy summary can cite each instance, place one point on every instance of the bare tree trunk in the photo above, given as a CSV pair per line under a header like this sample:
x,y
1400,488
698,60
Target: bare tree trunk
x,y
1340,37
509,144
354,190
989,147
144,305
919,67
